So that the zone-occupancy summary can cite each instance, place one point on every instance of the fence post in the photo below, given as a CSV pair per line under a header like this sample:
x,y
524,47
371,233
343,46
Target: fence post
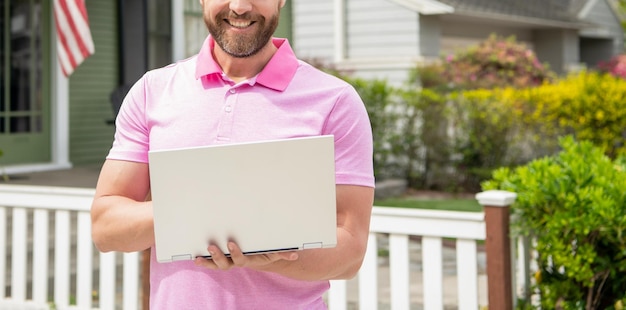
x,y
498,247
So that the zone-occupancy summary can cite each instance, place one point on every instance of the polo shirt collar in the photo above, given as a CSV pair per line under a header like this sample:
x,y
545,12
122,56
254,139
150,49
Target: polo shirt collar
x,y
275,75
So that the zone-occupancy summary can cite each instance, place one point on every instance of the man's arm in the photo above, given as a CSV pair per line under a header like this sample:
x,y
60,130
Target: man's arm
x,y
121,218
354,207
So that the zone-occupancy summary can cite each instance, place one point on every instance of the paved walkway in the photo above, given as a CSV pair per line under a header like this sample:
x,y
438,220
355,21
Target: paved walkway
x,y
86,177
82,176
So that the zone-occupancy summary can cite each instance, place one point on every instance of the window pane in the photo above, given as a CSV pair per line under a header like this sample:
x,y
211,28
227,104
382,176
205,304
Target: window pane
x,y
22,50
20,124
3,73
20,56
38,59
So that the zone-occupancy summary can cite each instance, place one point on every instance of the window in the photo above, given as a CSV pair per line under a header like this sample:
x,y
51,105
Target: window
x,y
21,67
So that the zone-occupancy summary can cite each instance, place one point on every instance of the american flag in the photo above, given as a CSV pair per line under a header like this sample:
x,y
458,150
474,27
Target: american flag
x,y
74,42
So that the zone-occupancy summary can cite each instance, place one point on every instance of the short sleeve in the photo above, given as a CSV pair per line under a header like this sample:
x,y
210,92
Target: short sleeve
x,y
350,124
131,141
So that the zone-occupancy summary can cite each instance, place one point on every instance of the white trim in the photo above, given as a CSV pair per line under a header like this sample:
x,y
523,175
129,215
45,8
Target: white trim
x,y
178,30
425,7
59,117
59,112
525,20
586,9
496,198
339,11
380,63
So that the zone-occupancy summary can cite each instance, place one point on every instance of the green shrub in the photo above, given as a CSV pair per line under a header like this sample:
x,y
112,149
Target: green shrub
x,y
574,204
487,133
437,138
509,126
409,129
422,142
485,125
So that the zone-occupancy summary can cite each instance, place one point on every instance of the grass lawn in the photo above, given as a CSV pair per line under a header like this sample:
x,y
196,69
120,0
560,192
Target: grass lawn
x,y
468,205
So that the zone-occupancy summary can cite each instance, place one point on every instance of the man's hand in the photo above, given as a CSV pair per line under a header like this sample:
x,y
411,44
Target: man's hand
x,y
238,259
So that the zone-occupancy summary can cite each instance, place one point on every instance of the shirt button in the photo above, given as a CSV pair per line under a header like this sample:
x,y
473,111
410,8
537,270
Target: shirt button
x,y
228,108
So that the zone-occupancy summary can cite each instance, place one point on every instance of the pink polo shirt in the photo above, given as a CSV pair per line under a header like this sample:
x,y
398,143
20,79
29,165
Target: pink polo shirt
x,y
192,103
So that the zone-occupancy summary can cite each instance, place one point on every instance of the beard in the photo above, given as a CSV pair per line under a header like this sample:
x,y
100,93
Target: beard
x,y
241,45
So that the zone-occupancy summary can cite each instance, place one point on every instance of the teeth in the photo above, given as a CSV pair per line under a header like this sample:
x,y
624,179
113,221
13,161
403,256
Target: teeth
x,y
240,24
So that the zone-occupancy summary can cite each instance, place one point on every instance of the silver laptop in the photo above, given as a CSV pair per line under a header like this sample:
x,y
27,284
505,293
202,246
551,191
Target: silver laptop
x,y
267,196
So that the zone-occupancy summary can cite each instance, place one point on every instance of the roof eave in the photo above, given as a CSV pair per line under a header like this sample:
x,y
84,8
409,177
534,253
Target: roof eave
x,y
531,21
426,7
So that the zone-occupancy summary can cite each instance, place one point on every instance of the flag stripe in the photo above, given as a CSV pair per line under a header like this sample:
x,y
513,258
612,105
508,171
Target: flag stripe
x,y
62,45
78,24
64,60
71,41
74,41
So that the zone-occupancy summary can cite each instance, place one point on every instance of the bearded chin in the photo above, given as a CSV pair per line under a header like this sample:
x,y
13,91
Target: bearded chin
x,y
243,46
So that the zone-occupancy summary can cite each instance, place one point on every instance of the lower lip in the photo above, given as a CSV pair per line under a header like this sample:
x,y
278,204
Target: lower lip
x,y
237,29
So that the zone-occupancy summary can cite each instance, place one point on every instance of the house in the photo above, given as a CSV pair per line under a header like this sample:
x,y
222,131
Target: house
x,y
385,38
49,122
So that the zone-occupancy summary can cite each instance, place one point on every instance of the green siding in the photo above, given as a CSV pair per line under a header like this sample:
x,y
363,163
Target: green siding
x,y
90,86
284,29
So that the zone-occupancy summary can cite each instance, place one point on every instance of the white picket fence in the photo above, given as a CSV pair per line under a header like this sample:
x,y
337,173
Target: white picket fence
x,y
432,227
32,210
42,220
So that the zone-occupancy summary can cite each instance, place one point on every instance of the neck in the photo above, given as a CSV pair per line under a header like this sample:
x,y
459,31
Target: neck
x,y
240,69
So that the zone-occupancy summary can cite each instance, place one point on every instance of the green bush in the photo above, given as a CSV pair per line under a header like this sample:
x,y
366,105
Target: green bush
x,y
487,133
437,136
409,130
574,205
509,126
478,87
422,142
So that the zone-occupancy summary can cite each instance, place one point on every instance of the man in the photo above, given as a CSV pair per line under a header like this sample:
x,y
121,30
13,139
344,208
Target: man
x,y
243,85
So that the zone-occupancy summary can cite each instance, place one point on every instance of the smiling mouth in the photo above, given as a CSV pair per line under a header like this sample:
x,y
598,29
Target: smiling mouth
x,y
240,24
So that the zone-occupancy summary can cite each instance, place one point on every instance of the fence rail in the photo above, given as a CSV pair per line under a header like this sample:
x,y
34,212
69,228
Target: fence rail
x,y
47,256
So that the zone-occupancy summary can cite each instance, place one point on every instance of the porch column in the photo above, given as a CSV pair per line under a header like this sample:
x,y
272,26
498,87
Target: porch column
x,y
339,10
178,30
60,107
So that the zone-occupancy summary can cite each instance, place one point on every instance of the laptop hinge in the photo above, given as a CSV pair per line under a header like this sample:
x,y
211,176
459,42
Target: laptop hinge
x,y
181,257
311,245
